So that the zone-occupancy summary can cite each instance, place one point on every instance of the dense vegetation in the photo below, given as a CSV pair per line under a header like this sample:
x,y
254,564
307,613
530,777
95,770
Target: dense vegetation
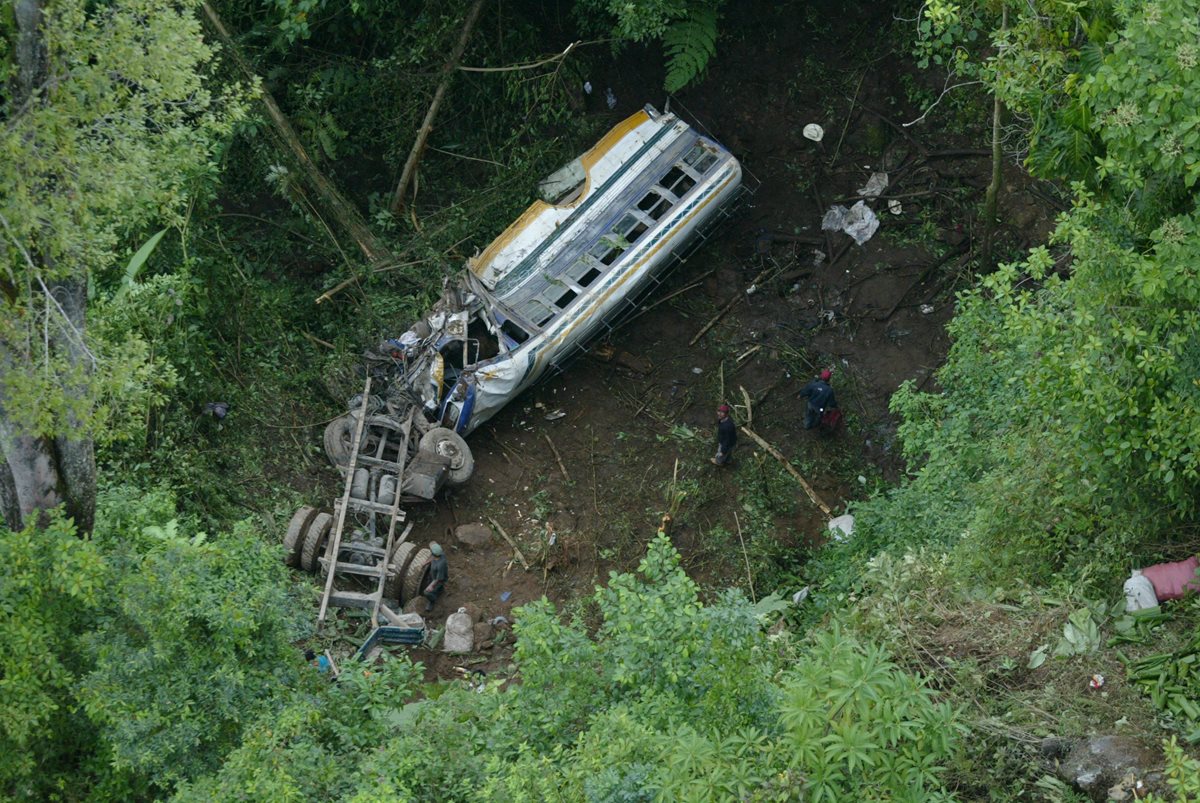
x,y
150,627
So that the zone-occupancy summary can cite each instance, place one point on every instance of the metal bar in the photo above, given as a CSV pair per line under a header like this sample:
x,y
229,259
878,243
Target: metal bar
x,y
406,433
335,543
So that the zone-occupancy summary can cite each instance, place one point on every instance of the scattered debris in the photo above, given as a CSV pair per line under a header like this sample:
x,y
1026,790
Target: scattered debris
x,y
814,132
858,221
876,184
217,410
1096,682
842,527
895,207
926,309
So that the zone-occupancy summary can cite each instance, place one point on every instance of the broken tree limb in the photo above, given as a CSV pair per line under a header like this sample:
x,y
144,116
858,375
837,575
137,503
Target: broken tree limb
x,y
530,66
749,408
808,489
516,549
448,69
344,212
557,457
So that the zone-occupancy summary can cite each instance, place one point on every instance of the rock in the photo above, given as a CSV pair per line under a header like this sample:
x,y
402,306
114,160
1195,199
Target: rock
x,y
473,611
473,535
1095,765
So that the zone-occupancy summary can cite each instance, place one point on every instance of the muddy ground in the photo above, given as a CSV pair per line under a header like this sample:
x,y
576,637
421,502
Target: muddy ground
x,y
638,428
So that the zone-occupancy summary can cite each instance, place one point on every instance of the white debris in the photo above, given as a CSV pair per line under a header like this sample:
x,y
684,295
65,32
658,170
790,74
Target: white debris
x,y
876,184
894,207
610,98
858,221
842,527
926,309
814,132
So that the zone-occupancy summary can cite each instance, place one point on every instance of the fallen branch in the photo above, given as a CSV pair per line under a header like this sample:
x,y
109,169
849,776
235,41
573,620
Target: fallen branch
x,y
319,341
530,66
749,408
414,156
808,489
699,280
557,457
511,543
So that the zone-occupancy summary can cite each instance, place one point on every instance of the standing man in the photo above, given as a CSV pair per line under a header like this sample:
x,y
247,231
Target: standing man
x,y
726,437
820,399
439,573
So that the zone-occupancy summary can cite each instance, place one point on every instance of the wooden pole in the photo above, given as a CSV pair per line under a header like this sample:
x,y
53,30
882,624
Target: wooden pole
x,y
808,489
448,69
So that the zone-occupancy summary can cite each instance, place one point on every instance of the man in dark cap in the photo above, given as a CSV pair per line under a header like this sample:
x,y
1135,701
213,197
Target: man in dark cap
x,y
820,399
439,573
726,437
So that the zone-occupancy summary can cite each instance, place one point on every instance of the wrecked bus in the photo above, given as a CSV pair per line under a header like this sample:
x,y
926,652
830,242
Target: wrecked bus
x,y
607,226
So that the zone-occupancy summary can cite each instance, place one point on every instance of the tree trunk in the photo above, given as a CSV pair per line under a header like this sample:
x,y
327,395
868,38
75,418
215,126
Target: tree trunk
x,y
414,156
992,198
38,473
344,212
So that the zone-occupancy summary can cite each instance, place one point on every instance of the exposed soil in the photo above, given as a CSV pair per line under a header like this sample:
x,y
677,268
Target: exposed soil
x,y
875,314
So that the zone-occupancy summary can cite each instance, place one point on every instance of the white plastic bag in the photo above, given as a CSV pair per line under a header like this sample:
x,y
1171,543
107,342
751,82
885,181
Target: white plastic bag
x,y
1139,593
858,221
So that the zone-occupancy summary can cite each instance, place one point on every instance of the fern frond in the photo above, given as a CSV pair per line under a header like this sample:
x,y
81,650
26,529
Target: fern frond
x,y
689,44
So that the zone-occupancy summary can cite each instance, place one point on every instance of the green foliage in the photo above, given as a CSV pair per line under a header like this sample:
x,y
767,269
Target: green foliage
x,y
1183,775
1145,94
196,644
88,162
1172,681
50,582
135,659
687,30
689,44
862,728
665,698
307,749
